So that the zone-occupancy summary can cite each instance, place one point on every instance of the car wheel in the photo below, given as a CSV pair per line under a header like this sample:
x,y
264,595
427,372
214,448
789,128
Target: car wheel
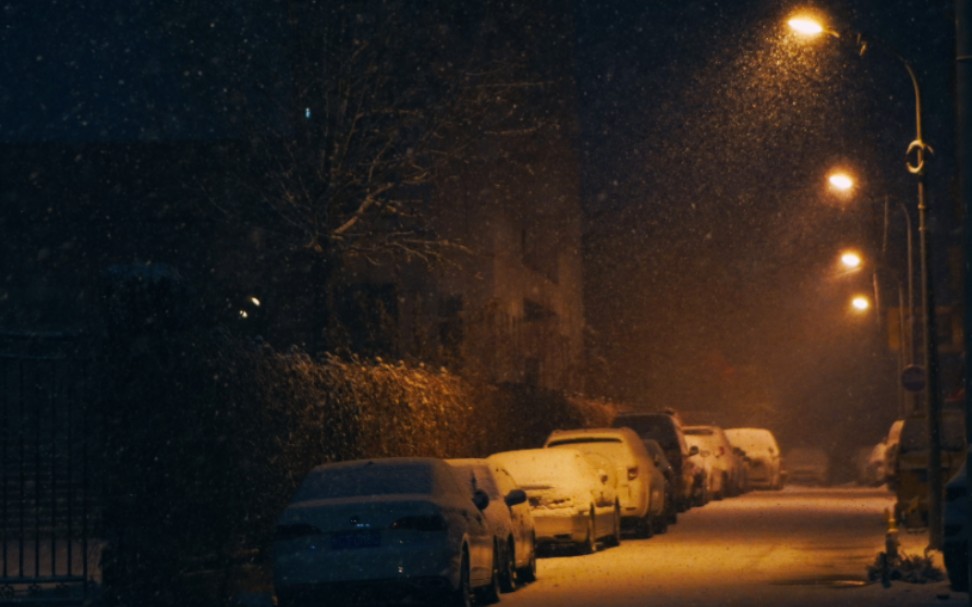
x,y
508,573
957,567
490,593
615,538
589,545
659,524
643,528
462,596
529,573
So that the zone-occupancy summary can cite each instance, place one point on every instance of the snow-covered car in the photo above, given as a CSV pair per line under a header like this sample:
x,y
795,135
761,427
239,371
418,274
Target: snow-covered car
x,y
387,527
720,460
665,427
872,465
713,478
911,481
572,502
662,465
892,445
955,536
807,466
509,517
765,467
640,485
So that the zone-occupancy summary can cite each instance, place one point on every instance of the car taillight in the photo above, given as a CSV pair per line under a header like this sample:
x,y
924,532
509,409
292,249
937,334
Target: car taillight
x,y
295,531
632,473
429,522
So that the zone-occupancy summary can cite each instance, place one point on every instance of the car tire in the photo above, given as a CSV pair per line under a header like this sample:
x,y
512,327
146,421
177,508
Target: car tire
x,y
508,574
659,524
490,593
529,573
615,538
644,527
589,545
462,596
957,567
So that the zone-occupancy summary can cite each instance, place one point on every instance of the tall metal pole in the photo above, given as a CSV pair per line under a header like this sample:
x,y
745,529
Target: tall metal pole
x,y
963,79
932,398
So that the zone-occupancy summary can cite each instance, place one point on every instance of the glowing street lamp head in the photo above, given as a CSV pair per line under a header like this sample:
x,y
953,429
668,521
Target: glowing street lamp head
x,y
841,181
805,26
860,304
851,260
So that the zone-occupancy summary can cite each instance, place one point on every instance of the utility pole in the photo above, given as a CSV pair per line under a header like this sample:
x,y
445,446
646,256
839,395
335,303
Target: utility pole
x,y
963,108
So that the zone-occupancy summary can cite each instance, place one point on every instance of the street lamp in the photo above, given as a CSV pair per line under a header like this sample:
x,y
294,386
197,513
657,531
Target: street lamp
x,y
851,260
840,181
918,148
860,303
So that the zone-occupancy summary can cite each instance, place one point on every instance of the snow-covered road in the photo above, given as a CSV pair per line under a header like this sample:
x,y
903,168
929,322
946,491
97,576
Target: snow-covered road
x,y
794,547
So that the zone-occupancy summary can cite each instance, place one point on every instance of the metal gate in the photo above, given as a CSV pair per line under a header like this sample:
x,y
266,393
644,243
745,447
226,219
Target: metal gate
x,y
47,514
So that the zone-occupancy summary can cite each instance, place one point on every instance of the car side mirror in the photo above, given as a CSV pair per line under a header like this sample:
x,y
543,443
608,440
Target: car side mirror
x,y
693,450
480,499
516,496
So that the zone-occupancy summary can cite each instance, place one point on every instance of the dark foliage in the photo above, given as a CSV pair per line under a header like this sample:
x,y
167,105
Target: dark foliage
x,y
207,435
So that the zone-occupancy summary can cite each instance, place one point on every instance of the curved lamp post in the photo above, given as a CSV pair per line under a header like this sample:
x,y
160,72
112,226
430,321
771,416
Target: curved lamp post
x,y
916,155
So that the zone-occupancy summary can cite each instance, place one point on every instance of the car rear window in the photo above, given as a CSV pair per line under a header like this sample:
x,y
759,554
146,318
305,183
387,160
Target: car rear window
x,y
330,483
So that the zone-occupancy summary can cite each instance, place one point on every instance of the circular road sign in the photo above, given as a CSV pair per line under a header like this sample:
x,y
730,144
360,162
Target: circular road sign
x,y
913,378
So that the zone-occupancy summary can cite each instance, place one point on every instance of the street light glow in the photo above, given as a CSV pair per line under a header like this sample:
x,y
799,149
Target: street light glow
x,y
841,181
805,26
851,260
860,303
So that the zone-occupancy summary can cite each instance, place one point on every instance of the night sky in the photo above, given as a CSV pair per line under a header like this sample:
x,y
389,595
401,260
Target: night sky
x,y
712,282
706,132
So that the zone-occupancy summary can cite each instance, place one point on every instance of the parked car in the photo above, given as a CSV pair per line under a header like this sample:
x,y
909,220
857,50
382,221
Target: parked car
x,y
870,463
663,465
807,466
640,485
509,517
664,427
713,478
572,502
384,528
911,485
955,536
892,446
720,459
765,469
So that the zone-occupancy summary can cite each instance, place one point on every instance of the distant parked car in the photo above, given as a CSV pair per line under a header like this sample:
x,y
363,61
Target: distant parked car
x,y
509,517
955,537
665,427
720,459
384,528
807,466
713,477
572,502
765,470
871,462
911,483
663,465
892,446
641,486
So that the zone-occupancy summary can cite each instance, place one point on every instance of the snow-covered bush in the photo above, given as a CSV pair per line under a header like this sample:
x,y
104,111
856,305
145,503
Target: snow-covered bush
x,y
207,434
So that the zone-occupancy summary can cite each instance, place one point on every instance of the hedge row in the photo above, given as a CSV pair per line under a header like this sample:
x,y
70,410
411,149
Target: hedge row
x,y
207,435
